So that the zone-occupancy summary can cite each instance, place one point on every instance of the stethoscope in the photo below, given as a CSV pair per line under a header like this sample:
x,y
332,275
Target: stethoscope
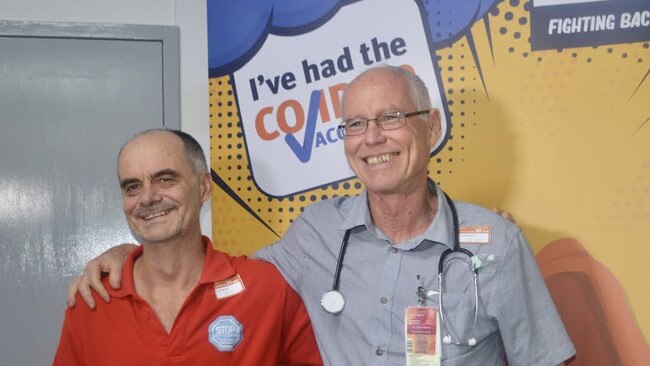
x,y
333,300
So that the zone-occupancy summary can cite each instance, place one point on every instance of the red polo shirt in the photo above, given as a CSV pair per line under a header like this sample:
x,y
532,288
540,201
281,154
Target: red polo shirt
x,y
265,324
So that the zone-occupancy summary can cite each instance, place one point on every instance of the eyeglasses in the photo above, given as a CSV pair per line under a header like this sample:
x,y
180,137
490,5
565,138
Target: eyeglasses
x,y
388,121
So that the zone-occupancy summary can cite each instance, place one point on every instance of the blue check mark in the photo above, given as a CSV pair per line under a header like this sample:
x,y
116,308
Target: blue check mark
x,y
303,152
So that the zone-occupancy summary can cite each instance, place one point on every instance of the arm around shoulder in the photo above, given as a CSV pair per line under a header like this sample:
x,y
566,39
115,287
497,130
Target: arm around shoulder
x,y
288,253
111,262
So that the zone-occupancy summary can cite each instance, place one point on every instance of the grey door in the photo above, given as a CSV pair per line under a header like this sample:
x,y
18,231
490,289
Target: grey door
x,y
70,95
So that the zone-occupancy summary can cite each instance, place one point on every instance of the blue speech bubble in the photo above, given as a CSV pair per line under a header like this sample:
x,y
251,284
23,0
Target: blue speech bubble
x,y
238,29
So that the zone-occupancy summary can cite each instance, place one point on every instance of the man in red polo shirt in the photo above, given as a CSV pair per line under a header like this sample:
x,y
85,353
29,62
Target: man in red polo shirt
x,y
182,302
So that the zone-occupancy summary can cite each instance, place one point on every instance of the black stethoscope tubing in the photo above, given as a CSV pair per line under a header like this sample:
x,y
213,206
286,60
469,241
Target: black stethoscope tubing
x,y
457,248
447,337
333,301
339,261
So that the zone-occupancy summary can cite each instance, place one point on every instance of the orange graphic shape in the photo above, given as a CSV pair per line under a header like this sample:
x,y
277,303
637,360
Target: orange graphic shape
x,y
593,307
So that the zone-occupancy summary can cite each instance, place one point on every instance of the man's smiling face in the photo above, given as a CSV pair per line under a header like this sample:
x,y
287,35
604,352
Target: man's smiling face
x,y
392,161
162,194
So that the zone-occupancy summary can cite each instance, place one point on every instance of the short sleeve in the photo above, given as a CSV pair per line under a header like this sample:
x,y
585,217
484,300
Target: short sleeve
x,y
70,347
288,253
530,327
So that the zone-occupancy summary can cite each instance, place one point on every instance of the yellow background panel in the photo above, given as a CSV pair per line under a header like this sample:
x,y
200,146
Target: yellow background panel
x,y
559,138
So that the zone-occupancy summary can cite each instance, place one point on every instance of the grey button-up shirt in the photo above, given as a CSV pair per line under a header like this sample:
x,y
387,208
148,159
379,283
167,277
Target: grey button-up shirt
x,y
379,280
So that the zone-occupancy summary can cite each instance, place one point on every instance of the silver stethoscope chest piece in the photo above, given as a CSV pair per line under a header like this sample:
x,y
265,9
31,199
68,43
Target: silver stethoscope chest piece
x,y
333,302
447,338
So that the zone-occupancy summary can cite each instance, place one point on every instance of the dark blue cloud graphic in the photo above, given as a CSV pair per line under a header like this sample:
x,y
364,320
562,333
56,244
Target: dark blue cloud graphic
x,y
448,20
238,28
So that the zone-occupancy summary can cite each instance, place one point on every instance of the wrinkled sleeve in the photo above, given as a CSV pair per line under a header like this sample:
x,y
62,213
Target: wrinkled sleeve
x,y
70,349
298,341
531,329
288,253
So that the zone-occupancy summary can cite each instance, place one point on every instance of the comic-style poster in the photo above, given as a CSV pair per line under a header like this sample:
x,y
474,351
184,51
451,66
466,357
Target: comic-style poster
x,y
545,107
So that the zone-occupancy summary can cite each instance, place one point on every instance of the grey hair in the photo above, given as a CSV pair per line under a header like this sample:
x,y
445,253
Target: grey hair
x,y
193,150
419,91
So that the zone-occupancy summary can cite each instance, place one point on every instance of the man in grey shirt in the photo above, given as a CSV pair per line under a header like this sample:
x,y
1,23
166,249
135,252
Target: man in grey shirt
x,y
397,231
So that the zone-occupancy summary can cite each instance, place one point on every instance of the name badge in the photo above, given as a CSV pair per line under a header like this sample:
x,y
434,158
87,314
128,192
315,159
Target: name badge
x,y
422,336
476,234
228,287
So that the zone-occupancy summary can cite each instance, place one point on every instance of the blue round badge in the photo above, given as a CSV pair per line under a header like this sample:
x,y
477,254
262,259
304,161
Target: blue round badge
x,y
225,333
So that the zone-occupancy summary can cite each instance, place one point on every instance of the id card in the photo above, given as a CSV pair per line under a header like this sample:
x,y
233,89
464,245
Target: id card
x,y
422,336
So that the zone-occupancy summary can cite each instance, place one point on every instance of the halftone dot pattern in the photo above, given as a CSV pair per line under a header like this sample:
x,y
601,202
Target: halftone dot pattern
x,y
550,74
573,161
443,26
234,229
500,141
630,205
463,91
559,138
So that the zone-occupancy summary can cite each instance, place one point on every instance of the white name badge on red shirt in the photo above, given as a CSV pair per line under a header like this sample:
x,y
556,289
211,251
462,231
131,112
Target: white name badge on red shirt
x,y
228,287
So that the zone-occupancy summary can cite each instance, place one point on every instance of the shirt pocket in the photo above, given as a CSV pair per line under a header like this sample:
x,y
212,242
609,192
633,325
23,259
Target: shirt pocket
x,y
458,312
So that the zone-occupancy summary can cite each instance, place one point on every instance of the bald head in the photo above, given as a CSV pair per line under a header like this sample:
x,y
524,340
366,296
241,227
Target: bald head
x,y
416,87
191,148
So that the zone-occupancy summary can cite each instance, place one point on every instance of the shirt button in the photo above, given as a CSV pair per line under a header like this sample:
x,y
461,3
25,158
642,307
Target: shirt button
x,y
379,352
161,340
394,250
383,299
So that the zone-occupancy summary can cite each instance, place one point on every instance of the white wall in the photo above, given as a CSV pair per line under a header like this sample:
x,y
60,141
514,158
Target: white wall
x,y
188,15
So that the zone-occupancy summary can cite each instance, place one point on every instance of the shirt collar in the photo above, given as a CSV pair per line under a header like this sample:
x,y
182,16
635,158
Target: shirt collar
x,y
216,267
440,231
359,213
